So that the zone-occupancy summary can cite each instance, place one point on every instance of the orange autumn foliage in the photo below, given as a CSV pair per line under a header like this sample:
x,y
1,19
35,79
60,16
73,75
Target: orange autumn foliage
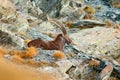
x,y
59,55
12,71
17,52
34,63
30,52
18,56
17,59
2,51
30,62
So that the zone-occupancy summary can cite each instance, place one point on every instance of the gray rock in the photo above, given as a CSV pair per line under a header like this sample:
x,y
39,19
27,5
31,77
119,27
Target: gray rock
x,y
34,34
107,10
64,65
98,41
10,39
50,7
55,72
70,10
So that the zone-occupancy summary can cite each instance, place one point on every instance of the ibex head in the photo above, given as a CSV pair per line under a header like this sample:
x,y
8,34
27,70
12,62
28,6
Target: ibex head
x,y
62,28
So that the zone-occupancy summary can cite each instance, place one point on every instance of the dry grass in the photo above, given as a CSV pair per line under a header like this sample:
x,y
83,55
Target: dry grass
x,y
11,71
59,55
89,9
17,59
30,52
25,57
2,52
94,63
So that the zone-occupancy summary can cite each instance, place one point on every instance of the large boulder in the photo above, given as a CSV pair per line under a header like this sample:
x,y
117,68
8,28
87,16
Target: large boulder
x,y
98,41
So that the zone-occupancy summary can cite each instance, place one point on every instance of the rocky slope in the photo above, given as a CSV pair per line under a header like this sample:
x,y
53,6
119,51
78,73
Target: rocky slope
x,y
93,25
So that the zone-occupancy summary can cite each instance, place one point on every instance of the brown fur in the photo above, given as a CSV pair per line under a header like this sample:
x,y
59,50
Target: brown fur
x,y
57,44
